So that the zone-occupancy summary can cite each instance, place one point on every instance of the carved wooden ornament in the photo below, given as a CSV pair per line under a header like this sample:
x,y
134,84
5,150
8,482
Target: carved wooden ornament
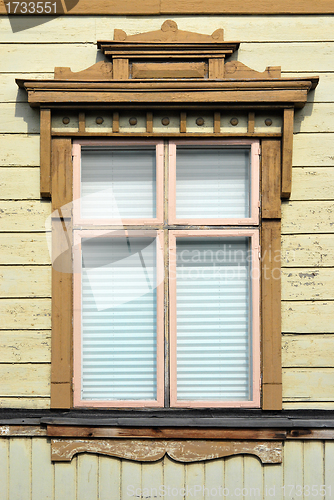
x,y
269,452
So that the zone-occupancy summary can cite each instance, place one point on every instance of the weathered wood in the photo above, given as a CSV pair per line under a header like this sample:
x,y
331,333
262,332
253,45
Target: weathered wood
x,y
120,69
28,314
150,451
271,179
19,469
308,284
62,174
164,433
168,70
27,346
312,183
307,317
99,71
25,380
307,217
301,384
42,470
24,216
45,153
18,281
313,150
238,70
19,183
21,430
19,150
24,249
308,250
29,403
287,141
216,69
271,314
311,351
214,476
87,473
306,405
315,117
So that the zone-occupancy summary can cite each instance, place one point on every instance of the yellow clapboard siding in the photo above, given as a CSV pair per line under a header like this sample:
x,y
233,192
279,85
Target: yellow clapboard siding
x,y
307,284
19,150
25,216
25,380
314,118
308,250
324,90
25,346
307,217
24,249
19,183
313,150
10,92
19,118
25,402
310,351
308,384
28,314
306,405
25,281
312,183
307,317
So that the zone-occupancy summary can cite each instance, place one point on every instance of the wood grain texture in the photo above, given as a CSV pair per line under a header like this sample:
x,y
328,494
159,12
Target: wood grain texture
x,y
287,142
27,281
271,179
307,217
27,346
307,317
308,250
251,122
25,380
182,451
120,69
45,153
271,313
300,384
28,314
168,70
216,69
29,403
24,249
24,216
309,351
99,71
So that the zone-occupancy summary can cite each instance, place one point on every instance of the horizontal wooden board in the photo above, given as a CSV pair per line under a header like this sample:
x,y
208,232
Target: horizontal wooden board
x,y
306,405
25,216
26,346
243,28
312,183
308,284
308,250
10,92
315,117
307,317
312,351
307,384
19,118
24,249
307,217
25,281
313,150
324,90
19,150
25,379
26,403
19,183
28,314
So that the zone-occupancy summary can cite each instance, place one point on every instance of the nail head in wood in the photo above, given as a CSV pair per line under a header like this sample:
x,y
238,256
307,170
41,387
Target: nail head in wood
x,y
165,121
234,122
66,120
99,120
133,121
200,121
268,122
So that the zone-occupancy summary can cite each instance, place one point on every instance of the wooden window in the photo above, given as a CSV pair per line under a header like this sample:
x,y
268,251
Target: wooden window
x,y
212,343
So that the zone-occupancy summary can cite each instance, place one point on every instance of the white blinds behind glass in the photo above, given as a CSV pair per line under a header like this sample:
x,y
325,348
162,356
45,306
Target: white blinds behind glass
x,y
118,183
212,183
213,304
119,319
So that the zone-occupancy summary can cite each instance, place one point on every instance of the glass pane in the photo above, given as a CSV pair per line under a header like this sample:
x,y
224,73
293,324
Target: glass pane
x,y
119,319
212,183
213,319
118,183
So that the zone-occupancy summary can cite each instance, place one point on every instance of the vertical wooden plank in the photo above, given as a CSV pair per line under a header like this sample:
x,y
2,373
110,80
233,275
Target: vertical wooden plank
x,y
293,468
273,482
62,291
234,472
152,479
65,480
4,447
42,470
213,479
271,179
87,479
19,469
329,469
216,122
130,479
120,69
216,69
183,122
271,315
115,122
174,474
109,478
194,475
287,142
313,468
251,122
253,478
149,122
45,153
82,122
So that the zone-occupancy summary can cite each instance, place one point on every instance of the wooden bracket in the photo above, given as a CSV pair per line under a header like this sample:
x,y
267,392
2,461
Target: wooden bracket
x,y
287,142
45,153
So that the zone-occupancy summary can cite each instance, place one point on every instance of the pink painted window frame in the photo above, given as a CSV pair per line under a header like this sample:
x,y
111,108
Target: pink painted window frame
x,y
84,233
255,335
159,145
254,179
